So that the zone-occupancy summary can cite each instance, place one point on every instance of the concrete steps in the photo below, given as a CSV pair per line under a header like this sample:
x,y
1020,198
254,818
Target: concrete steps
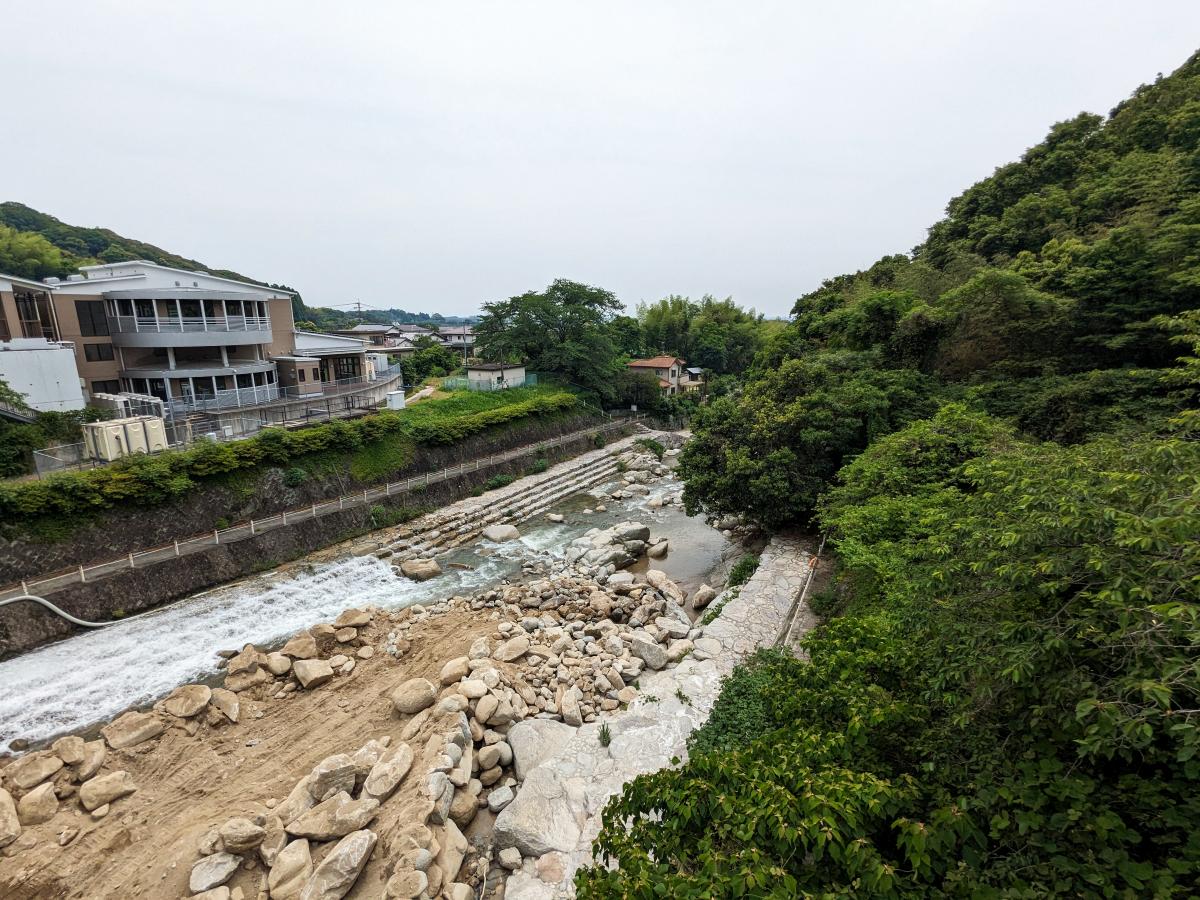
x,y
440,532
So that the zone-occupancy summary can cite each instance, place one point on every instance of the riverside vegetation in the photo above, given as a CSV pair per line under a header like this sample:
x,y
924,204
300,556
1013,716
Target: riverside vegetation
x,y
372,447
1000,443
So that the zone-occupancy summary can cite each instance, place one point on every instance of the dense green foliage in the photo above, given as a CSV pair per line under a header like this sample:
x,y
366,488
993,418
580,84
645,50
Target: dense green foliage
x,y
743,570
432,357
18,440
717,335
563,330
575,331
379,445
1040,298
1004,453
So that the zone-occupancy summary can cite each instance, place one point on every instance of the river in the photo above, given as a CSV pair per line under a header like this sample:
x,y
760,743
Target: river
x,y
90,678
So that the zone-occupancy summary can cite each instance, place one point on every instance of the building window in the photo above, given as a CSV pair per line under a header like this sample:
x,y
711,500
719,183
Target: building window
x,y
92,320
37,319
97,352
106,387
300,372
316,374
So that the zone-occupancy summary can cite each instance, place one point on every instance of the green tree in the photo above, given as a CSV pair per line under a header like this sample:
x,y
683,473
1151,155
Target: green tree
x,y
564,330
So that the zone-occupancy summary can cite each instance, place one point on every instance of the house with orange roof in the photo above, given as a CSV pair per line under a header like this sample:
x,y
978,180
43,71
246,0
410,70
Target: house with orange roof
x,y
671,372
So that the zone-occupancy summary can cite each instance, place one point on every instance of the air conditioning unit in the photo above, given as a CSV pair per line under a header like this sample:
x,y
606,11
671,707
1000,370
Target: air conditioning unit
x,y
116,438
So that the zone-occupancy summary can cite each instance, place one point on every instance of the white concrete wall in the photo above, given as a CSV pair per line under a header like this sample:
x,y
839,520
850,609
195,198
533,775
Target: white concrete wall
x,y
44,372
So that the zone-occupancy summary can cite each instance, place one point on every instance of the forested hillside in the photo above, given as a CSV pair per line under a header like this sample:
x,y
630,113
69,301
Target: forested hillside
x,y
999,438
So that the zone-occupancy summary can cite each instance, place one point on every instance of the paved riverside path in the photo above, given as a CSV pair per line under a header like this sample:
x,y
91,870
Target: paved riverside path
x,y
556,814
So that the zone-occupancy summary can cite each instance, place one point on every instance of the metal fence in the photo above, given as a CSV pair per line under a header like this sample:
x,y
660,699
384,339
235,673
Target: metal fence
x,y
458,383
142,558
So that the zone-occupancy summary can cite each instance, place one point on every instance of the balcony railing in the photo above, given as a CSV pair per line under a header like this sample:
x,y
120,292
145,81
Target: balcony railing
x,y
341,385
226,399
187,324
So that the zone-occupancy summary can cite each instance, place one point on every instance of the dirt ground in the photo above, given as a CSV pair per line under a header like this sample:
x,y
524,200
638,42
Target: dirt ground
x,y
145,847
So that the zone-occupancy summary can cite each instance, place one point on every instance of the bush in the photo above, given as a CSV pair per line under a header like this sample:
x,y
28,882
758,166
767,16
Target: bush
x,y
742,571
382,443
538,466
652,446
499,481
295,476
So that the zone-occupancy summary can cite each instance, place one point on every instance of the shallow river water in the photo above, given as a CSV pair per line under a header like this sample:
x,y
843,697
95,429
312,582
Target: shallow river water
x,y
92,677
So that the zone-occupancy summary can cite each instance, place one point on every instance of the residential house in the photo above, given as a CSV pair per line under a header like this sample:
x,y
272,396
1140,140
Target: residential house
x,y
670,371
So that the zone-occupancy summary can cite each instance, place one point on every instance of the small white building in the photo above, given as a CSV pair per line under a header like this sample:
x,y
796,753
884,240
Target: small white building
x,y
44,371
493,376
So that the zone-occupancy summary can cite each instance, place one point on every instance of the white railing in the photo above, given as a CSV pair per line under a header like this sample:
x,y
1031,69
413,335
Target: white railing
x,y
188,324
341,385
230,398
139,559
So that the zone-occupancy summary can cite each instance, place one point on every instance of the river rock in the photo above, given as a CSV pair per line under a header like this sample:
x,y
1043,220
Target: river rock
x,y
332,775
10,822
38,806
500,798
246,662
243,681
278,663
704,595
510,858
407,884
312,673
512,649
291,870
188,700
501,533
648,651
274,840
336,874
104,789
535,740
420,569
569,707
298,802
132,729
302,646
455,670
385,776
481,648
353,618
32,770
212,871
630,531
659,550
241,835
473,688
414,695
227,703
334,818
217,893
94,753
539,820
453,851
659,580
556,518
69,749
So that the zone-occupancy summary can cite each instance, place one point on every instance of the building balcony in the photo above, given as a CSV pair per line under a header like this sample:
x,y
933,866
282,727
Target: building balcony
x,y
189,331
199,369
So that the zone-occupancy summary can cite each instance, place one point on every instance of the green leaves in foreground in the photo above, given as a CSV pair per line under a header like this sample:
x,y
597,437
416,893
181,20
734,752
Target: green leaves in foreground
x,y
1010,710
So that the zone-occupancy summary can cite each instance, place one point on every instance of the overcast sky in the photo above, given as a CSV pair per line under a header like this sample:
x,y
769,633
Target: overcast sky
x,y
433,156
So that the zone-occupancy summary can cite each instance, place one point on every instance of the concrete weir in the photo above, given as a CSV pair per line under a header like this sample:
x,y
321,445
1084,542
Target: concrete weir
x,y
569,777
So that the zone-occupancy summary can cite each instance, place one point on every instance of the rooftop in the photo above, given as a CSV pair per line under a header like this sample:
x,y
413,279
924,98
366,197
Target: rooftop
x,y
655,362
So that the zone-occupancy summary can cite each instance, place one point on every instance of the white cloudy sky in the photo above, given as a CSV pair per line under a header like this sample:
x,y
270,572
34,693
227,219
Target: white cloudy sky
x,y
435,155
